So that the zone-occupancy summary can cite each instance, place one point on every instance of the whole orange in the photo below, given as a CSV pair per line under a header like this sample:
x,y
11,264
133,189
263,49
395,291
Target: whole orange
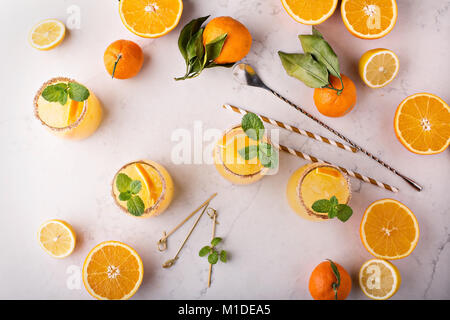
x,y
332,104
126,56
322,279
238,41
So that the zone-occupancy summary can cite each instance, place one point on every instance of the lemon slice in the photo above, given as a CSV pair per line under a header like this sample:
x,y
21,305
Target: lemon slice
x,y
57,238
379,279
378,67
47,34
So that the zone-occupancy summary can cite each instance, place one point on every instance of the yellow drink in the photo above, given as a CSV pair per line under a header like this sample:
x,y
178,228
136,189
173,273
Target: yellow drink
x,y
73,120
157,187
230,164
314,182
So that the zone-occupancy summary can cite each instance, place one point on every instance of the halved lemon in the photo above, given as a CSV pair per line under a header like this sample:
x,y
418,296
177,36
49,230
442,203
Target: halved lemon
x,y
422,123
379,279
310,11
57,238
47,34
389,230
152,18
369,19
112,271
378,67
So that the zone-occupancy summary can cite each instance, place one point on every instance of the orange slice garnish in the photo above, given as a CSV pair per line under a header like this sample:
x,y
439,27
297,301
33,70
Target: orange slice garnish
x,y
422,123
146,194
329,172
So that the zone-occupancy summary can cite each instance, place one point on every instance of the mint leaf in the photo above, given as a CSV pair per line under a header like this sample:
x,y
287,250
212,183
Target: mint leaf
x,y
344,212
215,241
213,257
248,152
252,126
123,182
56,93
223,256
267,155
78,92
136,206
204,251
135,186
334,201
332,212
124,196
321,206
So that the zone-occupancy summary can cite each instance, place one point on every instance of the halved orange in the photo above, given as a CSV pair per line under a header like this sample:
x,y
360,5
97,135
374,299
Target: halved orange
x,y
369,19
389,229
310,11
422,123
150,19
112,270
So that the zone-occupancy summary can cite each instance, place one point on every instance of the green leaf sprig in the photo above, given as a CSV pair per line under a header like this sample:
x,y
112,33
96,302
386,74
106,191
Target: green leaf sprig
x,y
314,65
60,91
334,209
213,254
335,285
254,129
129,189
196,55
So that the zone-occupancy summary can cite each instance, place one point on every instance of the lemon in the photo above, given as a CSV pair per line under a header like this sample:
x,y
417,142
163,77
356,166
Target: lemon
x,y
57,238
378,67
47,34
379,279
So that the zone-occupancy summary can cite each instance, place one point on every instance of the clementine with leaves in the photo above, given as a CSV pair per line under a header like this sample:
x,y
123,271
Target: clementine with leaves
x,y
123,59
329,281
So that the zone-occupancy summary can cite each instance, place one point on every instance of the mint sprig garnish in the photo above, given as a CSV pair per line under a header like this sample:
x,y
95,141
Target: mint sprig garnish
x,y
196,55
334,209
60,91
254,129
213,254
129,189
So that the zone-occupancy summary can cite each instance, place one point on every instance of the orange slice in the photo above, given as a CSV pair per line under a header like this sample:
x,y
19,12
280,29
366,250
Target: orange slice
x,y
389,230
422,123
57,238
310,11
146,194
150,18
369,19
112,270
329,172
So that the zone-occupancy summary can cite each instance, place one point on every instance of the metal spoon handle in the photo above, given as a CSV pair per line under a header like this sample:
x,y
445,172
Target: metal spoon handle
x,y
367,153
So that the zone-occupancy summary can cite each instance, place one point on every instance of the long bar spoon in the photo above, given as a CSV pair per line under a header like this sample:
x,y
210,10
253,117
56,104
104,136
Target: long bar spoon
x,y
245,74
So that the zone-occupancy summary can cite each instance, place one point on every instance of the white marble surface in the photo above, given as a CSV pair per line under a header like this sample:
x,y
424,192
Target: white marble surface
x,y
272,250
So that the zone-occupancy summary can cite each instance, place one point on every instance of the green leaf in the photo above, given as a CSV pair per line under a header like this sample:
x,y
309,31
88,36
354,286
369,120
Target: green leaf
x,y
124,196
305,68
123,182
252,126
334,201
248,152
212,64
204,251
78,92
316,32
213,257
344,212
336,284
223,256
216,241
195,46
214,48
333,212
56,93
322,206
322,51
186,34
267,155
135,186
136,206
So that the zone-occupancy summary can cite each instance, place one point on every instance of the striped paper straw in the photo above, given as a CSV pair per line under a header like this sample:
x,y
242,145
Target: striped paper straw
x,y
347,171
293,129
